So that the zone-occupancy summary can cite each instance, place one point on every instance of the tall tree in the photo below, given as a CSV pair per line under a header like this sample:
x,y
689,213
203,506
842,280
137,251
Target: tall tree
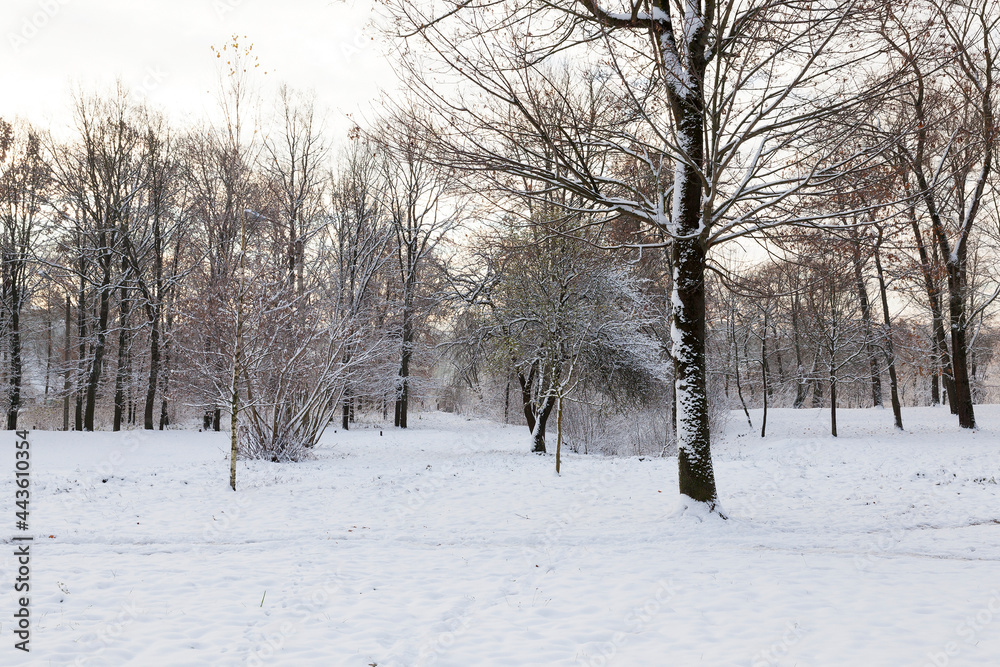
x,y
23,180
420,199
707,94
952,142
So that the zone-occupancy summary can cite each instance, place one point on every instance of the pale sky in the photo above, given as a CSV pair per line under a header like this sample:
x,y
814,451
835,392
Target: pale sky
x,y
160,50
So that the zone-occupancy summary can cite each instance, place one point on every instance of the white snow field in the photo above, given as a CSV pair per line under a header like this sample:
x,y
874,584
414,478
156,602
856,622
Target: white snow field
x,y
451,544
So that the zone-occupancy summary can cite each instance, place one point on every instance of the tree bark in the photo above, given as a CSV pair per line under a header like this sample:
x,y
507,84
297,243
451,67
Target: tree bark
x,y
763,373
97,363
942,359
866,318
694,458
123,316
800,380
538,433
890,354
66,382
16,367
402,401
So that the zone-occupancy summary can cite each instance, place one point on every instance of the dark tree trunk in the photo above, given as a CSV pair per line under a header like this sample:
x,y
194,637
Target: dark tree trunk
x,y
833,403
123,316
694,456
800,380
97,363
49,324
763,373
739,384
506,402
890,353
866,318
16,369
154,371
81,330
529,413
536,420
942,360
538,433
66,349
404,369
963,387
345,422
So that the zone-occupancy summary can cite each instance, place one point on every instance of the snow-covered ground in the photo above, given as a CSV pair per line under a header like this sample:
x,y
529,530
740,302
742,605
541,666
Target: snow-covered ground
x,y
450,544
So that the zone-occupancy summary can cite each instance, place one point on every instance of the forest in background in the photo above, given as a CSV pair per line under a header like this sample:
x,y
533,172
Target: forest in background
x,y
508,243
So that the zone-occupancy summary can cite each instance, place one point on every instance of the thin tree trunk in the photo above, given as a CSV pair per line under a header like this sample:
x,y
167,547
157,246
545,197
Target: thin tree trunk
x,y
81,325
800,380
559,434
123,316
154,371
963,388
833,402
890,354
48,346
404,368
97,364
16,369
763,372
939,344
866,318
529,413
66,382
739,385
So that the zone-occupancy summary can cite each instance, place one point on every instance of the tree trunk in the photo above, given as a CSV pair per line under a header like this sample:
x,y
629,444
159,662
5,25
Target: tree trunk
x,y
694,457
763,373
942,359
346,411
529,413
559,435
97,363
963,387
404,369
16,368
538,433
866,318
154,371
800,380
66,382
81,327
49,324
736,366
833,402
817,397
890,354
123,316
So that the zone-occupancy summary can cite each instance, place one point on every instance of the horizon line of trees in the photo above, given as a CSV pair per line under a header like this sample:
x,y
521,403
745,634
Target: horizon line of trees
x,y
567,229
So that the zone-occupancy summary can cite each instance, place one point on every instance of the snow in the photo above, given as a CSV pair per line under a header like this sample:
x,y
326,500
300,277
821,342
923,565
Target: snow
x,y
450,544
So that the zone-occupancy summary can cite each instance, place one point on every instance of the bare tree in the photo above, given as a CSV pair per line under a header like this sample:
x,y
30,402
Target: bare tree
x,y
708,104
421,200
23,181
357,238
951,144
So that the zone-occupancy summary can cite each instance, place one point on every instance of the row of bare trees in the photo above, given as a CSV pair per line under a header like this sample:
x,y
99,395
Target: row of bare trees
x,y
611,153
236,268
712,121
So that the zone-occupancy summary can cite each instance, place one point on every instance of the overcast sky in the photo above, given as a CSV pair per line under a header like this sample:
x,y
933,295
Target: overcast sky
x,y
161,50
